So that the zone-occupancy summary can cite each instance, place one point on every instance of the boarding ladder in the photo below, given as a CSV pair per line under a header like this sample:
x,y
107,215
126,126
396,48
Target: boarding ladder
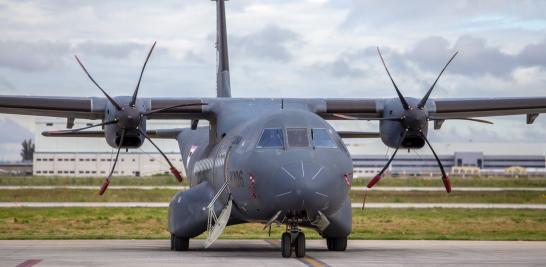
x,y
217,224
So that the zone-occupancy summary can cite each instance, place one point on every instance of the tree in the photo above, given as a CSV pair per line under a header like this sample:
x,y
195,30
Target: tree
x,y
27,152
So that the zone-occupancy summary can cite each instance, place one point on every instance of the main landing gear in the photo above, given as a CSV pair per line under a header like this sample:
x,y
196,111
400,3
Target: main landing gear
x,y
336,243
179,243
293,238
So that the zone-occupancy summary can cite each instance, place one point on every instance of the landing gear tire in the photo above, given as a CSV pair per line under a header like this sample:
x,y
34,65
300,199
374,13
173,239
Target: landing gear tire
x,y
336,243
286,245
300,245
180,243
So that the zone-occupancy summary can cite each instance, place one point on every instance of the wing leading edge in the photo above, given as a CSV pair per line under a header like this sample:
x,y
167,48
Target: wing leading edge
x,y
94,107
439,109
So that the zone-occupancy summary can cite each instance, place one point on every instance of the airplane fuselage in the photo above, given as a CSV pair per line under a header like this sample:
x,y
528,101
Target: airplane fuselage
x,y
274,161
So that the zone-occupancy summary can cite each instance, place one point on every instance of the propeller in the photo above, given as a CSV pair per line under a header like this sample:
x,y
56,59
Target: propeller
x,y
414,119
128,117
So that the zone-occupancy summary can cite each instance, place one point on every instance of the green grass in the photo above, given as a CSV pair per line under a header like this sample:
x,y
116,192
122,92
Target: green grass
x,y
86,195
520,197
457,181
387,181
54,180
165,195
150,223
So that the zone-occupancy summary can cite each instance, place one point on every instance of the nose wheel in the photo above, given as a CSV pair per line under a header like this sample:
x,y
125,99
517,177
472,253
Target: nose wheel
x,y
294,238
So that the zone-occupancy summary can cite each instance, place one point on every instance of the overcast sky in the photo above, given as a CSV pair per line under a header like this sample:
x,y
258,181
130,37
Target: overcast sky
x,y
313,48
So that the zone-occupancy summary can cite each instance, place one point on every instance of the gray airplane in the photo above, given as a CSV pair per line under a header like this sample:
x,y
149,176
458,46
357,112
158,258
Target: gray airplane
x,y
270,160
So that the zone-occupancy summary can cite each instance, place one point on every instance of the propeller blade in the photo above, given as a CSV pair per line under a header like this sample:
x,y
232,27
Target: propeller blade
x,y
118,107
402,99
133,100
62,132
423,101
106,182
173,169
445,178
173,107
378,176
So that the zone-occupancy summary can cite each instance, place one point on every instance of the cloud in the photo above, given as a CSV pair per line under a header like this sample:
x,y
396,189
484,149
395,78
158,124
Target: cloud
x,y
459,13
340,68
32,55
476,57
11,132
272,42
116,50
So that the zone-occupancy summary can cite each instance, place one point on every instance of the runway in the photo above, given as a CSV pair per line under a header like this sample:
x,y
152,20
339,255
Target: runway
x,y
267,253
354,205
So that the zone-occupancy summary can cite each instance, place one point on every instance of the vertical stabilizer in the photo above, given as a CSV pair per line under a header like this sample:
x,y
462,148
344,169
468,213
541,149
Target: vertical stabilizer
x,y
223,88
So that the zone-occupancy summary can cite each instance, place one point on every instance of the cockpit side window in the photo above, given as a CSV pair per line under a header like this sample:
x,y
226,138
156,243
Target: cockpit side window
x,y
297,137
321,138
271,138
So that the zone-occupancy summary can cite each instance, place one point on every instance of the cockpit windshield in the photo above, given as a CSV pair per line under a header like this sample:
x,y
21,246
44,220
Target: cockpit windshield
x,y
271,138
297,137
321,138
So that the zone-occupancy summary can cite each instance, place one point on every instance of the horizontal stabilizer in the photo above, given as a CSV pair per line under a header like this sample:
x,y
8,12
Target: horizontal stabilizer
x,y
159,133
354,134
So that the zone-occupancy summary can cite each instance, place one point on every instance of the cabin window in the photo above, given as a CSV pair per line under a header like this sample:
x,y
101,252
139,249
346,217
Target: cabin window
x,y
321,138
271,138
297,137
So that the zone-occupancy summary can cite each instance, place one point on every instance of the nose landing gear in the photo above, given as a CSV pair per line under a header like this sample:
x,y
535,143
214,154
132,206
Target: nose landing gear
x,y
293,238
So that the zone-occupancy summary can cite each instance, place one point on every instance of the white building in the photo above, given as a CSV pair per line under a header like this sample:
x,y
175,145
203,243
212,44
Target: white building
x,y
72,156
69,156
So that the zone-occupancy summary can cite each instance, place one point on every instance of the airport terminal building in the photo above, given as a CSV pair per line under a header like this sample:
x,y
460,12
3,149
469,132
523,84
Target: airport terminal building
x,y
459,163
65,156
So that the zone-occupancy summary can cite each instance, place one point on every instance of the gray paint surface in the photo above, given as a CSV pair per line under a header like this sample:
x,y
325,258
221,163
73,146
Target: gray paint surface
x,y
265,253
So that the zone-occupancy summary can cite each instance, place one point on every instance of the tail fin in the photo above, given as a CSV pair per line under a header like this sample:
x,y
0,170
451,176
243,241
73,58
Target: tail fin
x,y
223,88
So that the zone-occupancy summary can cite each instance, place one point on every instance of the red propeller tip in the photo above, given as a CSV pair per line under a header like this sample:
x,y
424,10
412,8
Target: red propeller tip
x,y
176,174
447,184
104,186
374,181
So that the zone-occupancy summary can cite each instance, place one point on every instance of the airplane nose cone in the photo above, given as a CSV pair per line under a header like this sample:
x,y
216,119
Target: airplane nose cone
x,y
306,185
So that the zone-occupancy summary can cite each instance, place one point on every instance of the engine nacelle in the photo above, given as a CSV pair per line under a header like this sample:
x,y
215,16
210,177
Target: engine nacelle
x,y
414,120
132,139
128,119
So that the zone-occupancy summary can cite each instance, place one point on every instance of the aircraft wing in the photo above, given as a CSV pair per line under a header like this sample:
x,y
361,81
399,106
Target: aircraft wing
x,y
484,107
439,109
68,107
93,107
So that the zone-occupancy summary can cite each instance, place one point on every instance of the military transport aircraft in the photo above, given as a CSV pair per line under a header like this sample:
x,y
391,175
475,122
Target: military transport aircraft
x,y
271,161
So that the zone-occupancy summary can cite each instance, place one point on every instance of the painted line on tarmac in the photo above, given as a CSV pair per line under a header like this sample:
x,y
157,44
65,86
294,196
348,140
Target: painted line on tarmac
x,y
307,260
353,205
29,263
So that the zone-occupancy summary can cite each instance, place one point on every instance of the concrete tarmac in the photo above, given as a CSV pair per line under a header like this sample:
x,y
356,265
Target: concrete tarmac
x,y
138,253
